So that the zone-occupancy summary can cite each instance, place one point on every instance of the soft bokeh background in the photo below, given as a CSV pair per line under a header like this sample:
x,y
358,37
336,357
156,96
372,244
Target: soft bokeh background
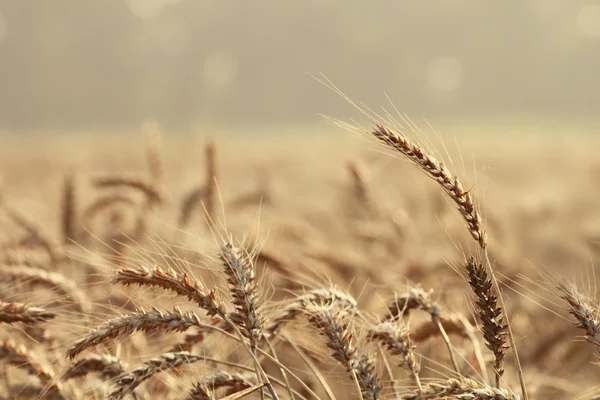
x,y
110,64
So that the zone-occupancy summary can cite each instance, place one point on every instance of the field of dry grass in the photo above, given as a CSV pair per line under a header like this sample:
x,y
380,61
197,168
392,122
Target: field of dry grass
x,y
298,265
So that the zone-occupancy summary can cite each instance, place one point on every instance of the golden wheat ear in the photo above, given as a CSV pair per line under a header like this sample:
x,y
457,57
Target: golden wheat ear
x,y
333,323
584,310
493,327
453,188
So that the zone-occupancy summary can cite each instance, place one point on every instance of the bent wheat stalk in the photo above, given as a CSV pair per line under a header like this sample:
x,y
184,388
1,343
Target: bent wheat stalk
x,y
453,187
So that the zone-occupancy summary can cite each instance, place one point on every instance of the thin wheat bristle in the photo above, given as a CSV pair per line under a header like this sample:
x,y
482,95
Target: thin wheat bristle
x,y
584,310
19,312
106,365
145,321
438,171
241,276
182,284
489,313
128,381
332,323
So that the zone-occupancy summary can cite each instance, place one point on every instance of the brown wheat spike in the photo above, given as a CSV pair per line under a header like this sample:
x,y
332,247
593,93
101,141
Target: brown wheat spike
x,y
52,280
414,299
438,171
490,314
128,381
328,296
417,298
396,337
19,312
153,152
584,310
145,321
152,192
333,323
463,388
182,284
69,210
210,183
189,204
241,276
106,365
18,356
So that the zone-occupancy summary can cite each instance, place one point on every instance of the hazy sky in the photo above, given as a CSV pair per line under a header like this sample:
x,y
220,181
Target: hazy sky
x,y
78,64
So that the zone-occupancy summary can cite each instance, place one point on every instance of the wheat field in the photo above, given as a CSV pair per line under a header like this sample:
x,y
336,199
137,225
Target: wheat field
x,y
306,264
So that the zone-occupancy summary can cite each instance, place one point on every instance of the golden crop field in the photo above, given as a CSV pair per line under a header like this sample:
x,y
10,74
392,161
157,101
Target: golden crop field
x,y
306,264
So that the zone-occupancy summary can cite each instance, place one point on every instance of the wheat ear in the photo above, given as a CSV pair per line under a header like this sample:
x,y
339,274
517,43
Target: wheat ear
x,y
128,381
19,312
52,280
241,276
397,339
462,388
417,299
333,323
452,186
490,315
18,356
145,321
584,311
181,284
327,296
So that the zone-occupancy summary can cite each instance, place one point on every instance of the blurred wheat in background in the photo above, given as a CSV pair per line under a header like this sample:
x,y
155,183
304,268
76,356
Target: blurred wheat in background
x,y
177,221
